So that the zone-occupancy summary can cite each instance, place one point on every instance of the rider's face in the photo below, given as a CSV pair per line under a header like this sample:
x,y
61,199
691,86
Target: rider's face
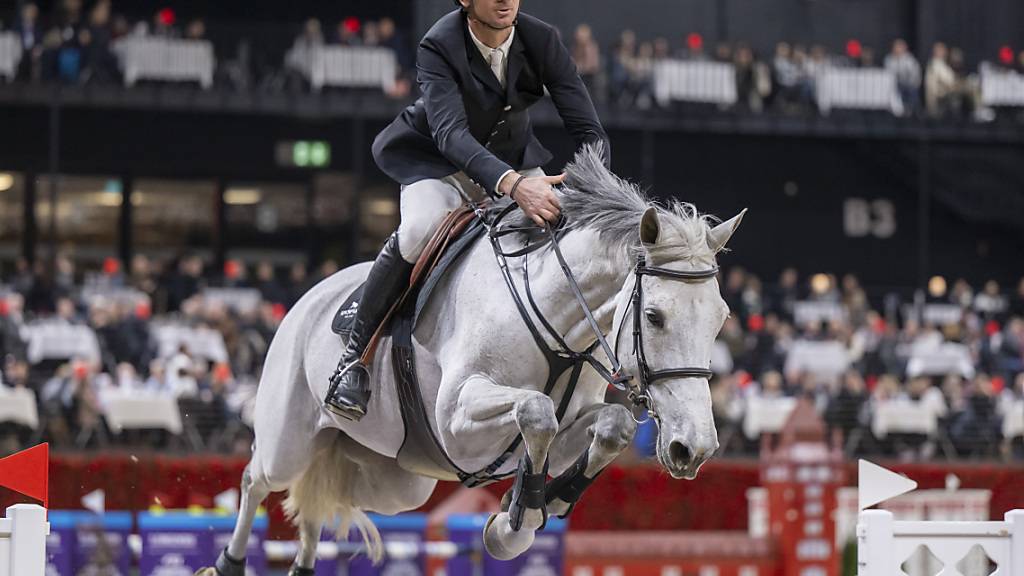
x,y
494,13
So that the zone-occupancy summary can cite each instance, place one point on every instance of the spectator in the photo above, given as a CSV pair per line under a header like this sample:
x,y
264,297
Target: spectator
x,y
845,410
298,282
311,37
371,34
866,58
620,88
196,29
587,56
266,282
641,75
163,24
788,79
990,303
747,93
975,431
940,83
904,66
30,37
184,282
693,48
347,32
100,64
723,52
390,38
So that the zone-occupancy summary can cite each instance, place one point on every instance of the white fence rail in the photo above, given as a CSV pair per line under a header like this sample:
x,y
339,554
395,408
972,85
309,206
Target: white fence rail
x,y
884,544
23,541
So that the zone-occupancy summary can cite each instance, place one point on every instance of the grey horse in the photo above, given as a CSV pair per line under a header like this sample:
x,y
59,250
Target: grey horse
x,y
482,373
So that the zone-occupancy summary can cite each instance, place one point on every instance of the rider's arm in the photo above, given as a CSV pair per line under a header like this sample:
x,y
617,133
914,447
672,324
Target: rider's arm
x,y
446,116
571,97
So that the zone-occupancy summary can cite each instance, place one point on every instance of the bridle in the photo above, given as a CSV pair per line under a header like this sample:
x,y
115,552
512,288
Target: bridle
x,y
639,392
637,388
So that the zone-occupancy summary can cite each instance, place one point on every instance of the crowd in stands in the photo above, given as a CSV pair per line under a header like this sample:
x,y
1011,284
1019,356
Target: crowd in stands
x,y
970,402
786,80
74,45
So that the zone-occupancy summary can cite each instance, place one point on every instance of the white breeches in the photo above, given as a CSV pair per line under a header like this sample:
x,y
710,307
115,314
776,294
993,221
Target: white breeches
x,y
424,205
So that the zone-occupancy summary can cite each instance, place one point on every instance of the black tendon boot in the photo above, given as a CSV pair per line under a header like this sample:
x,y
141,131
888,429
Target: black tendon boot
x,y
350,384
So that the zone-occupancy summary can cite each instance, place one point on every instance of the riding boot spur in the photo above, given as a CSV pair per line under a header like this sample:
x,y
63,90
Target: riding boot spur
x,y
349,392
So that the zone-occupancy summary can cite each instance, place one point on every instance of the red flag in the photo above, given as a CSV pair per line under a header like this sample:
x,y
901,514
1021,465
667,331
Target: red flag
x,y
27,472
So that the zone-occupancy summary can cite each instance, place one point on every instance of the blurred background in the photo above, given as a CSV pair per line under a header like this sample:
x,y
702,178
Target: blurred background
x,y
175,174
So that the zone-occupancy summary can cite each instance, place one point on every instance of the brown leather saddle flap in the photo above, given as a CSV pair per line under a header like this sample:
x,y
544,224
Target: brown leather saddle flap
x,y
451,227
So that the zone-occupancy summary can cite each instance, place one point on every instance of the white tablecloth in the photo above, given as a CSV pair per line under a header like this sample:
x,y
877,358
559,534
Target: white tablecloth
x,y
242,300
858,88
1001,88
10,54
133,410
345,66
1013,420
827,359
812,312
204,343
168,59
60,341
766,415
942,314
681,80
947,358
18,405
903,417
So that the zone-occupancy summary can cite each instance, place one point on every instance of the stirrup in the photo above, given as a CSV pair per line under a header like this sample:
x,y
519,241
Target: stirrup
x,y
352,412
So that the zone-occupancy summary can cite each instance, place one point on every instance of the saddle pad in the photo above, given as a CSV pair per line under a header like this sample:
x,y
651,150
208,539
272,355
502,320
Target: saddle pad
x,y
346,314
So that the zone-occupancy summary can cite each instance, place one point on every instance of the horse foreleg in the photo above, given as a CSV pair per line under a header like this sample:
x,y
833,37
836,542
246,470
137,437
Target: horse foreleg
x,y
595,439
231,561
510,533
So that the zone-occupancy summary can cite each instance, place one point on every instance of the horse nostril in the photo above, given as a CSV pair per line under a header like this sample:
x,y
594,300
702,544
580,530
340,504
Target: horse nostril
x,y
678,453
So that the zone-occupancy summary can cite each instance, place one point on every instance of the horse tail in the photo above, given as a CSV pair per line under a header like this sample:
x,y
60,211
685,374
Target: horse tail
x,y
323,494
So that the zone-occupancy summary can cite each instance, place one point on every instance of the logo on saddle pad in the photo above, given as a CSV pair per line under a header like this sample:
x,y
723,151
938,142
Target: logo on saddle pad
x,y
350,312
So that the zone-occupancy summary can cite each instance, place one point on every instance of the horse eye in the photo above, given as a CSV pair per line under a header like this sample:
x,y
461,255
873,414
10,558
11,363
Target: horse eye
x,y
655,318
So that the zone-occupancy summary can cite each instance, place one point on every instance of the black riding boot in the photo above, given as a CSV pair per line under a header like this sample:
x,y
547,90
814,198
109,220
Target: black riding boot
x,y
350,384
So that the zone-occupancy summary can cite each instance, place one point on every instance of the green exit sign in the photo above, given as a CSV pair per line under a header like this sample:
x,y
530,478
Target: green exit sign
x,y
304,154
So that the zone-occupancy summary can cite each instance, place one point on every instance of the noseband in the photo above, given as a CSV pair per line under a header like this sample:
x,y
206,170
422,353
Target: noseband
x,y
639,392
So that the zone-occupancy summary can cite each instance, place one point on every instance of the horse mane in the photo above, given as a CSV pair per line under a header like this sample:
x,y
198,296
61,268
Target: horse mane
x,y
593,197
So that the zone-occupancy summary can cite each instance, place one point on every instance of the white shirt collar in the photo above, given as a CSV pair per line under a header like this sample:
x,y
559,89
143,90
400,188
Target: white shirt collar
x,y
485,50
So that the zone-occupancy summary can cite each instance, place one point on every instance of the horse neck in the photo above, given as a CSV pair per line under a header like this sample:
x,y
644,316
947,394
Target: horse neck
x,y
600,274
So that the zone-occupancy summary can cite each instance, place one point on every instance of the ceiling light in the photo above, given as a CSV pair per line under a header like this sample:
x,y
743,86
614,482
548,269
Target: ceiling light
x,y
242,196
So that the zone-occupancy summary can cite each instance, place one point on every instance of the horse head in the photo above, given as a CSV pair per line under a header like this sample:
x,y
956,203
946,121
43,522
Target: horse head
x,y
681,311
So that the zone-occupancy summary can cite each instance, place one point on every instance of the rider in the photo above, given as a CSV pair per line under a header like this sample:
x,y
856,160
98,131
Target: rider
x,y
479,68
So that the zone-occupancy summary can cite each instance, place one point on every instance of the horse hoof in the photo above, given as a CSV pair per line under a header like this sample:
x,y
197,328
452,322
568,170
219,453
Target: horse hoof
x,y
225,566
502,542
206,572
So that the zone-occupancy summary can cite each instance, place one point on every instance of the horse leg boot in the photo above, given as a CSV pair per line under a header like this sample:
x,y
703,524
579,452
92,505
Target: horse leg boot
x,y
509,534
609,429
349,392
231,561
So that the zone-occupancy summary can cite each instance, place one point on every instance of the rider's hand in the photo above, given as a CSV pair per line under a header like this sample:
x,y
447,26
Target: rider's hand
x,y
536,197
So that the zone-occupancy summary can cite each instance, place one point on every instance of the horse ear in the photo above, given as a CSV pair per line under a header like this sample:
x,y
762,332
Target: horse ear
x,y
719,235
650,227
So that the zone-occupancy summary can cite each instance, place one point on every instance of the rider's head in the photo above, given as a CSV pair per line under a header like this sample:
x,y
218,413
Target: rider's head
x,y
494,14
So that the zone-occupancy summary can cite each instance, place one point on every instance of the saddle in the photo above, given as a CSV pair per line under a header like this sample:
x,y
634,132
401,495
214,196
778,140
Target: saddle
x,y
421,450
426,272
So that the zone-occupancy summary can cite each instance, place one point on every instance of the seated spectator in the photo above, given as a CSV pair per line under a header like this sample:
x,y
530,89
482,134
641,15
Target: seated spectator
x,y
902,63
975,431
163,24
347,32
641,74
692,48
390,38
266,282
990,303
940,83
845,410
723,52
196,30
371,34
866,58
